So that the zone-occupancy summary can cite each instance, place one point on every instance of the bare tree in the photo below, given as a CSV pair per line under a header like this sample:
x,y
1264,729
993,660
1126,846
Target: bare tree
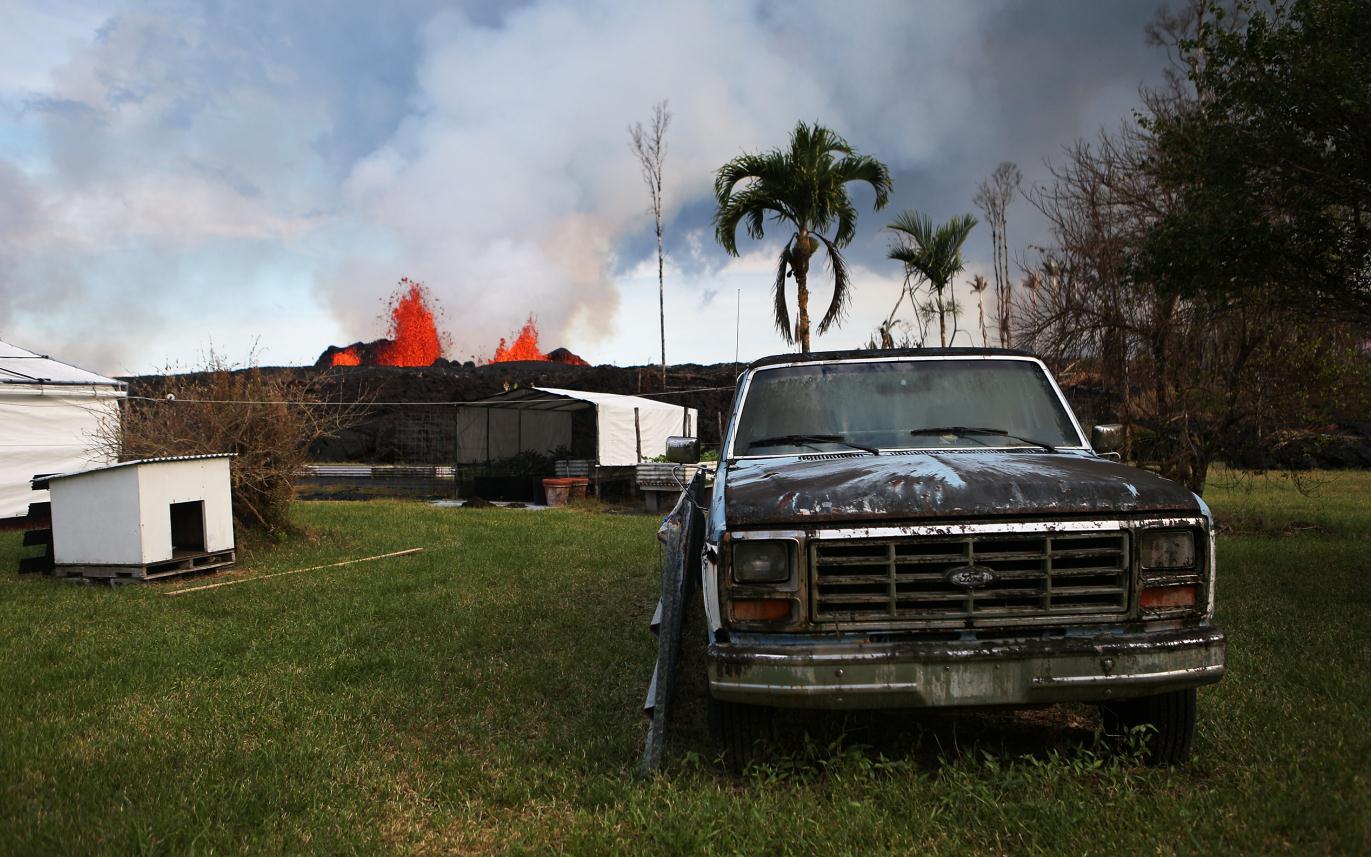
x,y
884,333
923,314
992,198
649,144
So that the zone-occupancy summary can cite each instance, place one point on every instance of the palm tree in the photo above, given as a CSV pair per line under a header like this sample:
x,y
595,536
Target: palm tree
x,y
805,188
934,255
979,284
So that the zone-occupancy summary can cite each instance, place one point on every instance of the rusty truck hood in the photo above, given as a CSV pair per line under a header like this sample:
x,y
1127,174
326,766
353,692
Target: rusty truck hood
x,y
796,490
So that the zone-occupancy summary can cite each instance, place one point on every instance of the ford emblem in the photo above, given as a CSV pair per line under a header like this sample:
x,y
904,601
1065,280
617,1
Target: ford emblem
x,y
970,576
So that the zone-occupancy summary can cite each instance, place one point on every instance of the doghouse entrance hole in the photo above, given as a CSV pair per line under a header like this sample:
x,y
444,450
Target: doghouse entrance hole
x,y
188,527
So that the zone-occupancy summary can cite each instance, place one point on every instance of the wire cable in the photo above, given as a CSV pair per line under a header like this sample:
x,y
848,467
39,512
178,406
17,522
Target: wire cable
x,y
494,401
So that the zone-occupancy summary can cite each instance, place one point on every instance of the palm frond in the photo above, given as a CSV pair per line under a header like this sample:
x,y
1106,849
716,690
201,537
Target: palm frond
x,y
915,225
740,169
766,192
814,142
904,253
726,219
934,253
864,168
953,233
778,296
847,222
749,205
842,292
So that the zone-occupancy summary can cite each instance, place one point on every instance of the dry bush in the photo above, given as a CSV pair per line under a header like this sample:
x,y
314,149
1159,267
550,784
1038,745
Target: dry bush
x,y
266,417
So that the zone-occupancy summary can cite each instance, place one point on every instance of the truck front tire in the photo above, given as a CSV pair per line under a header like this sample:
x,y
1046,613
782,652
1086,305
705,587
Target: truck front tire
x,y
740,731
1169,721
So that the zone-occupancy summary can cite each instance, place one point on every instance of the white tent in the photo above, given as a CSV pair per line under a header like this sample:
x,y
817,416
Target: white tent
x,y
605,426
50,414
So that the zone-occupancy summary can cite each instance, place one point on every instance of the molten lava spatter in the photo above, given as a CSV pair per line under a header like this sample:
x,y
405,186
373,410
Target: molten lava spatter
x,y
349,356
413,335
413,339
524,346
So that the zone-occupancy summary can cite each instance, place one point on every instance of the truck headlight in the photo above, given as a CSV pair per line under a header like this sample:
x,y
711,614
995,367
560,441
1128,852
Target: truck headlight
x,y
1167,549
761,561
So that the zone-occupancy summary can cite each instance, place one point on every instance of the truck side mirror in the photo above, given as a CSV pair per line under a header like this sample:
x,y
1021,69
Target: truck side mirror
x,y
1107,437
683,450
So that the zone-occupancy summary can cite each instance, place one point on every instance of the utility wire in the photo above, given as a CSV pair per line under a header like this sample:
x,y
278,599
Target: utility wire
x,y
549,399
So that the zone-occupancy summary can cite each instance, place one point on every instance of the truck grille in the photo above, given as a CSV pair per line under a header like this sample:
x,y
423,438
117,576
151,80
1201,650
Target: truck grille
x,y
1023,577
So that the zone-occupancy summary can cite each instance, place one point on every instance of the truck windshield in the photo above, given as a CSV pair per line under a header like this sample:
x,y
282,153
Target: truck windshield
x,y
903,404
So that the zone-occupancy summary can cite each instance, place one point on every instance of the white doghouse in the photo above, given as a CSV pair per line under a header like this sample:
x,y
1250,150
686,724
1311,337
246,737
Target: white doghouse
x,y
143,520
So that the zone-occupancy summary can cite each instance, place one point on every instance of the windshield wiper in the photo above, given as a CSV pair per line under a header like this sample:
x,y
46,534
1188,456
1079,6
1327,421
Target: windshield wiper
x,y
974,430
809,440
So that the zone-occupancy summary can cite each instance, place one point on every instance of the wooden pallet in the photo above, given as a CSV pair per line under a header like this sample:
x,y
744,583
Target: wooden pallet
x,y
38,531
190,564
39,534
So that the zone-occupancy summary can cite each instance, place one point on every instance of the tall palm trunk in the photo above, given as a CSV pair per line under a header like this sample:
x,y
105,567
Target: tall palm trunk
x,y
942,319
980,310
804,248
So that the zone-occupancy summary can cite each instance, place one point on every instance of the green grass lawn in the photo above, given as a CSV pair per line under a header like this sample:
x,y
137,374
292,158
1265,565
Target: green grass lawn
x,y
484,696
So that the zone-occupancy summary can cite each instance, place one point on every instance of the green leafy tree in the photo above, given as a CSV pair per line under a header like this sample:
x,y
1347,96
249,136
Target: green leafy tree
x,y
1268,157
932,254
805,188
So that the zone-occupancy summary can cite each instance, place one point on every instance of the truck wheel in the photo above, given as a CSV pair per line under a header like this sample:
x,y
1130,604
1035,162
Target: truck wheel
x,y
1169,716
740,731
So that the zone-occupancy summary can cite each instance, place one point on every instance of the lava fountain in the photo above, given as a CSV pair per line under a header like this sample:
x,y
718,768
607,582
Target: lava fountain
x,y
412,339
525,347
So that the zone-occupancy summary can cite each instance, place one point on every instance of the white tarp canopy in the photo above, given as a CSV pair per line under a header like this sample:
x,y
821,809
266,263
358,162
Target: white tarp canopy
x,y
50,416
540,419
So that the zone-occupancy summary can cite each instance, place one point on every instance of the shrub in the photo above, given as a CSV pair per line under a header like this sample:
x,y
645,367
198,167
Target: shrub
x,y
266,417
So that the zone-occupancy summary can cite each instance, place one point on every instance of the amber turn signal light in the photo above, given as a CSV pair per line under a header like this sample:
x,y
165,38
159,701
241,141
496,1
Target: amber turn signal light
x,y
1168,597
761,609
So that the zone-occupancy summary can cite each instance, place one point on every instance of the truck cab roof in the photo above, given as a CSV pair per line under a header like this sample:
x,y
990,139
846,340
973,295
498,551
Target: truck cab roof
x,y
877,354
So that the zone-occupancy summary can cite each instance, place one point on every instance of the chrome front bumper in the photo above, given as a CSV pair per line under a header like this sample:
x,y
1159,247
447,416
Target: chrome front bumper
x,y
812,672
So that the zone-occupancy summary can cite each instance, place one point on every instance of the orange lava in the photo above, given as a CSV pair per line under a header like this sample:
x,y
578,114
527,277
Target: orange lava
x,y
413,335
347,357
413,339
524,346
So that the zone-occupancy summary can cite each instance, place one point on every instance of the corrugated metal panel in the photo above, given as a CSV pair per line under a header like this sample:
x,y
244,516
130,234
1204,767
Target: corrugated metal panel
x,y
161,460
24,367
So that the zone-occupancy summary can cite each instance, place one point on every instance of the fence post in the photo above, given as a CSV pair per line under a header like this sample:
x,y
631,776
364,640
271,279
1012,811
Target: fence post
x,y
638,435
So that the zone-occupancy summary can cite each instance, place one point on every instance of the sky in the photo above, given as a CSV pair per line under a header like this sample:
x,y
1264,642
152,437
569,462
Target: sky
x,y
253,178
